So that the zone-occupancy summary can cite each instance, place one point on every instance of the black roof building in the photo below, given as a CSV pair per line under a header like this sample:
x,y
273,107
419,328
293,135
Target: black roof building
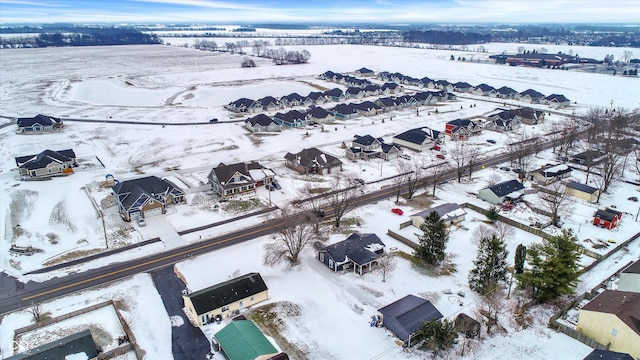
x,y
260,119
405,316
81,342
506,188
225,293
45,158
39,119
597,354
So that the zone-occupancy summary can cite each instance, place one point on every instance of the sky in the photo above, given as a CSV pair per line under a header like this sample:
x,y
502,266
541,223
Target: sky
x,y
323,11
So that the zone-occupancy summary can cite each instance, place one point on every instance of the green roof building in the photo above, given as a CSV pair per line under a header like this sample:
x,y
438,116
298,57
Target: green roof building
x,y
242,340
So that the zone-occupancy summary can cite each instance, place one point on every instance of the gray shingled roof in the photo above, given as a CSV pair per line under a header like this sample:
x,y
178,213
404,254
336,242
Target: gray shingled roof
x,y
409,313
45,158
581,187
506,187
227,292
355,248
81,342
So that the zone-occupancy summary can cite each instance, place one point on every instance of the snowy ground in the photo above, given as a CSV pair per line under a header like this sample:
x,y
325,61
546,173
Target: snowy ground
x,y
170,84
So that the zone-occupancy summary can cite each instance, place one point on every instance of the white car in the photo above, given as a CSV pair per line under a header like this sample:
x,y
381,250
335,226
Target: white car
x,y
140,220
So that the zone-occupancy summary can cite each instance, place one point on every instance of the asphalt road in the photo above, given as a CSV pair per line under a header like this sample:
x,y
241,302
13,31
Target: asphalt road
x,y
58,287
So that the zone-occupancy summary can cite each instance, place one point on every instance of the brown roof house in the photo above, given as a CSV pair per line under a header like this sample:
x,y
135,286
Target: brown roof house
x,y
225,299
238,179
313,161
612,318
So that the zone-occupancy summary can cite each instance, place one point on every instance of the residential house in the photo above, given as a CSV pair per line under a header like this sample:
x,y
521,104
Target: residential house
x,y
319,115
292,100
225,299
239,179
449,213
364,147
147,196
384,75
387,103
550,173
557,101
502,125
261,123
497,194
407,101
344,111
506,92
39,124
390,151
335,94
242,340
67,347
372,90
365,72
315,98
424,98
588,158
292,118
462,87
629,278
244,105
582,191
269,103
313,161
405,317
47,163
485,90
367,108
462,129
428,83
417,139
528,116
606,218
612,318
354,93
408,80
444,85
327,75
358,252
598,354
531,96
390,88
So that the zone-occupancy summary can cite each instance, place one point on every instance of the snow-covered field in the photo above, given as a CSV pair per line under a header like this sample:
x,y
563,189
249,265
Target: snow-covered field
x,y
171,84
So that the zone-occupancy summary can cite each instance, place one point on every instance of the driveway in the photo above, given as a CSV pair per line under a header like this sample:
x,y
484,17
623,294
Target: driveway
x,y
158,226
187,341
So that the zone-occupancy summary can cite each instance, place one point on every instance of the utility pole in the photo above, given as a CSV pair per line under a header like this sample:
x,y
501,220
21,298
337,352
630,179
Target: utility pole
x,y
104,230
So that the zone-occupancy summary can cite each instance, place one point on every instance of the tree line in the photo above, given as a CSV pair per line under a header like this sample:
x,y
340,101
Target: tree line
x,y
84,36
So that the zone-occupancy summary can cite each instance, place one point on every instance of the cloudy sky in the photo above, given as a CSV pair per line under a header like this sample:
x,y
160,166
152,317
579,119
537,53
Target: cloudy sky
x,y
344,11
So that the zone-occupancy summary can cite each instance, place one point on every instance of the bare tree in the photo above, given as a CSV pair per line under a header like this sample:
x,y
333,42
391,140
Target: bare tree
x,y
342,199
493,179
554,200
435,173
289,241
387,264
596,118
460,155
36,312
490,307
314,201
403,168
626,56
503,230
247,62
415,168
521,148
482,231
474,154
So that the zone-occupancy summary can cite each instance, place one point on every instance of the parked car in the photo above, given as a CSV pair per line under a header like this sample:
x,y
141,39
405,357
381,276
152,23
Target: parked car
x,y
397,211
435,147
440,156
633,198
505,168
214,120
405,156
140,220
270,187
491,141
516,170
443,152
276,185
359,181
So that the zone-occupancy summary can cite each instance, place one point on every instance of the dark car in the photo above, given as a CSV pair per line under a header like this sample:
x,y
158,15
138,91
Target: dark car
x,y
490,141
214,120
440,156
633,198
276,185
516,170
270,187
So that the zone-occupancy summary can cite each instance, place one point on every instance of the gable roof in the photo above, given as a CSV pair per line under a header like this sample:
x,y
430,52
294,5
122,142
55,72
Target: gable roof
x,y
242,102
365,140
315,95
581,187
386,148
45,158
419,135
623,304
485,88
506,187
633,268
241,339
410,312
260,119
335,92
532,94
81,342
597,354
462,85
387,101
225,172
364,70
359,248
225,293
318,112
557,98
345,109
552,170
505,90
268,100
291,116
460,123
313,156
446,211
604,215
38,119
129,191
366,106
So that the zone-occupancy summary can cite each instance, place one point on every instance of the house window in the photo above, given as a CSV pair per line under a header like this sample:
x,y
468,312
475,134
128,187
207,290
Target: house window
x,y
49,171
331,263
322,257
614,332
225,308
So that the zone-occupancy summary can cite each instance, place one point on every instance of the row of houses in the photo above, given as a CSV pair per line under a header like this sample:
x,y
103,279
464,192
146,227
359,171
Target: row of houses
x,y
505,92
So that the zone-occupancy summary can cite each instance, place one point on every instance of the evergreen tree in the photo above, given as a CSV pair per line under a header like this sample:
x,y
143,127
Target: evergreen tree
x,y
438,335
521,255
493,214
490,266
553,267
433,240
